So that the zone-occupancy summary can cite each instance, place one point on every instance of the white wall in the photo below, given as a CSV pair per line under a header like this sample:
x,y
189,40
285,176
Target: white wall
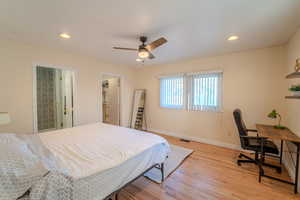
x,y
292,117
16,75
253,81
293,106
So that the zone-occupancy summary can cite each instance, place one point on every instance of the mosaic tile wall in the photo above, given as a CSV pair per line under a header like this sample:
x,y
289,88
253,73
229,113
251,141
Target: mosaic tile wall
x,y
46,98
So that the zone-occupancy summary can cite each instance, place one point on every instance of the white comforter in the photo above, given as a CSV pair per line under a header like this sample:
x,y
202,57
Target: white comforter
x,y
90,162
86,150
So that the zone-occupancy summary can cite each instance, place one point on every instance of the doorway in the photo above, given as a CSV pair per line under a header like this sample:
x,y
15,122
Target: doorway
x,y
111,99
54,98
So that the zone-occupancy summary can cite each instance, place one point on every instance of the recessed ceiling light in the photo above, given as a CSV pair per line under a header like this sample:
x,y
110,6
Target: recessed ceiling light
x,y
139,60
65,36
234,37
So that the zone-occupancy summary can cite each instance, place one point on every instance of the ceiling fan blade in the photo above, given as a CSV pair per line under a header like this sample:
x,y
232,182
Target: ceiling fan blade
x,y
128,49
151,56
156,43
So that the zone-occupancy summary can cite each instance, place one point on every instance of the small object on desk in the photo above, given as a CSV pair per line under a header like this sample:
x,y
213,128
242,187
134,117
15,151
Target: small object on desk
x,y
274,114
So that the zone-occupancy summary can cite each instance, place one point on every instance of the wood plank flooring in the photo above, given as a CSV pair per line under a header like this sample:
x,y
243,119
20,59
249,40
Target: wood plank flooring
x,y
210,173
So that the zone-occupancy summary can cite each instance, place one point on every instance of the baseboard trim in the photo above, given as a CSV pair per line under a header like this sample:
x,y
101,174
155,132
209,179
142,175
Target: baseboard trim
x,y
196,139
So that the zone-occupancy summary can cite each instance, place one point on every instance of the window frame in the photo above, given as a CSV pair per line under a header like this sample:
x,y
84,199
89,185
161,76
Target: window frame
x,y
183,92
188,93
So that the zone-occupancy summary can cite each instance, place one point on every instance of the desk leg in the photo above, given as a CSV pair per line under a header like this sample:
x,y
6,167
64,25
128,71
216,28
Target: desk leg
x,y
261,160
297,169
281,151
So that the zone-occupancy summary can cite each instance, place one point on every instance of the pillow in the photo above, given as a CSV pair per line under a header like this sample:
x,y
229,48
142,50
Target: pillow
x,y
19,167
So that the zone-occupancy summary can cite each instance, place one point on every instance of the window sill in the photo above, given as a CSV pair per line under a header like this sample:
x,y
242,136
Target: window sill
x,y
183,109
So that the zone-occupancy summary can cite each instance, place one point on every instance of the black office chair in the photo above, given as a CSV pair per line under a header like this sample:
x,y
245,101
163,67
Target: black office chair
x,y
253,143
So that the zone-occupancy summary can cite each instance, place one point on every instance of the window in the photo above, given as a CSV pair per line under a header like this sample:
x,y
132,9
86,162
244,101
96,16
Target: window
x,y
171,92
197,91
205,92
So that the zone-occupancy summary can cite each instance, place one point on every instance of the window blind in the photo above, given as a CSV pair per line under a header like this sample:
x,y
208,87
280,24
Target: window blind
x,y
193,91
172,92
205,91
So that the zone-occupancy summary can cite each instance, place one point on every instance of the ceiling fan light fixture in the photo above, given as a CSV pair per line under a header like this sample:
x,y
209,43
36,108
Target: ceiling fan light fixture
x,y
233,37
65,35
144,50
143,53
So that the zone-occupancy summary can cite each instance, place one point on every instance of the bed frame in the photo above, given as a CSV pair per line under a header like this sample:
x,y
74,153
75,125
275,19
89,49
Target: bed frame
x,y
116,193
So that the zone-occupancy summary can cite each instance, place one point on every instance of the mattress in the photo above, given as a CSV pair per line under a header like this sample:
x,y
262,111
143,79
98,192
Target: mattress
x,y
102,158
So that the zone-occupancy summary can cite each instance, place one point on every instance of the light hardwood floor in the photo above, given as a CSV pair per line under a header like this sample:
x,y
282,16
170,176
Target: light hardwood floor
x,y
210,173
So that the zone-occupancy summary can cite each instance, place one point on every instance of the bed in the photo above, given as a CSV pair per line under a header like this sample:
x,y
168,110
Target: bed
x,y
98,159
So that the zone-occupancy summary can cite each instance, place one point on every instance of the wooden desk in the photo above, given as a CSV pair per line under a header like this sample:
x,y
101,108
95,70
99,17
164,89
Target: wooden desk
x,y
276,134
269,132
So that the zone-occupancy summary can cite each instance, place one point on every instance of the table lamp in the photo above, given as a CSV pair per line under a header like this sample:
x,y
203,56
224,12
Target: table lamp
x,y
274,115
4,118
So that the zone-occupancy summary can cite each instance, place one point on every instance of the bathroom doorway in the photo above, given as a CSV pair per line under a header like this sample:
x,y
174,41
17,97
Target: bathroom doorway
x,y
111,99
54,98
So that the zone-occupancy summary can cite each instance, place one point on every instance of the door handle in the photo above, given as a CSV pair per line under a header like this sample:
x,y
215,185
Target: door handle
x,y
65,105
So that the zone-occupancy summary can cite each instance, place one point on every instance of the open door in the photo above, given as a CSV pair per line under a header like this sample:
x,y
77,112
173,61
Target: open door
x,y
54,99
111,99
67,98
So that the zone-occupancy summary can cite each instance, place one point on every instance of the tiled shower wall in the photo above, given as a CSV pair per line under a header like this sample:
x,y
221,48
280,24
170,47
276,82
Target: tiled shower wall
x,y
46,96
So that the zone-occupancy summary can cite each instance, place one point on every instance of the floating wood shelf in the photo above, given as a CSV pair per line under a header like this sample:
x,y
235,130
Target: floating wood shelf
x,y
293,75
292,97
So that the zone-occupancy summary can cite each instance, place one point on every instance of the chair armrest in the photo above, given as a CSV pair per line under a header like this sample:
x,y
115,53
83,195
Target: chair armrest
x,y
252,130
253,137
258,139
249,137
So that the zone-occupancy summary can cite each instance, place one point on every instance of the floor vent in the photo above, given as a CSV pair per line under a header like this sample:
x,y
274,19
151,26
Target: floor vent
x,y
184,140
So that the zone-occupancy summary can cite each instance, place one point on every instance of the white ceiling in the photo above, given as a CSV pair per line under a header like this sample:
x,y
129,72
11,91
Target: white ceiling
x,y
192,27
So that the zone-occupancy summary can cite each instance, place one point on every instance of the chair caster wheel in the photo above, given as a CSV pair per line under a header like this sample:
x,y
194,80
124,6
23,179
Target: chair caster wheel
x,y
238,163
278,170
240,156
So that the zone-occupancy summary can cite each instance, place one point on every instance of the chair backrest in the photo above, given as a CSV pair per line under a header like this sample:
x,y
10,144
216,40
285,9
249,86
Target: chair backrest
x,y
237,114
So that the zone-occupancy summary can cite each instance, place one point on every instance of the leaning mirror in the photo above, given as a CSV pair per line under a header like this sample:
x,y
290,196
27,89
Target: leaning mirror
x,y
138,109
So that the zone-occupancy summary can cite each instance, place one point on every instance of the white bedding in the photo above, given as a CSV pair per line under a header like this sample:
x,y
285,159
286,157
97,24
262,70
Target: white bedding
x,y
102,184
102,158
88,149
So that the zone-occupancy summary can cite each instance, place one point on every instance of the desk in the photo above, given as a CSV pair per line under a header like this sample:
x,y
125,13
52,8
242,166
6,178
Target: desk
x,y
269,132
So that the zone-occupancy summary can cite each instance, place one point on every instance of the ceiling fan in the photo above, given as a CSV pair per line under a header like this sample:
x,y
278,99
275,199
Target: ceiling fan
x,y
144,50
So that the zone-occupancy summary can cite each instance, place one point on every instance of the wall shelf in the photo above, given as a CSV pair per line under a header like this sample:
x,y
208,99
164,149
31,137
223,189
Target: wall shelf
x,y
292,97
293,75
